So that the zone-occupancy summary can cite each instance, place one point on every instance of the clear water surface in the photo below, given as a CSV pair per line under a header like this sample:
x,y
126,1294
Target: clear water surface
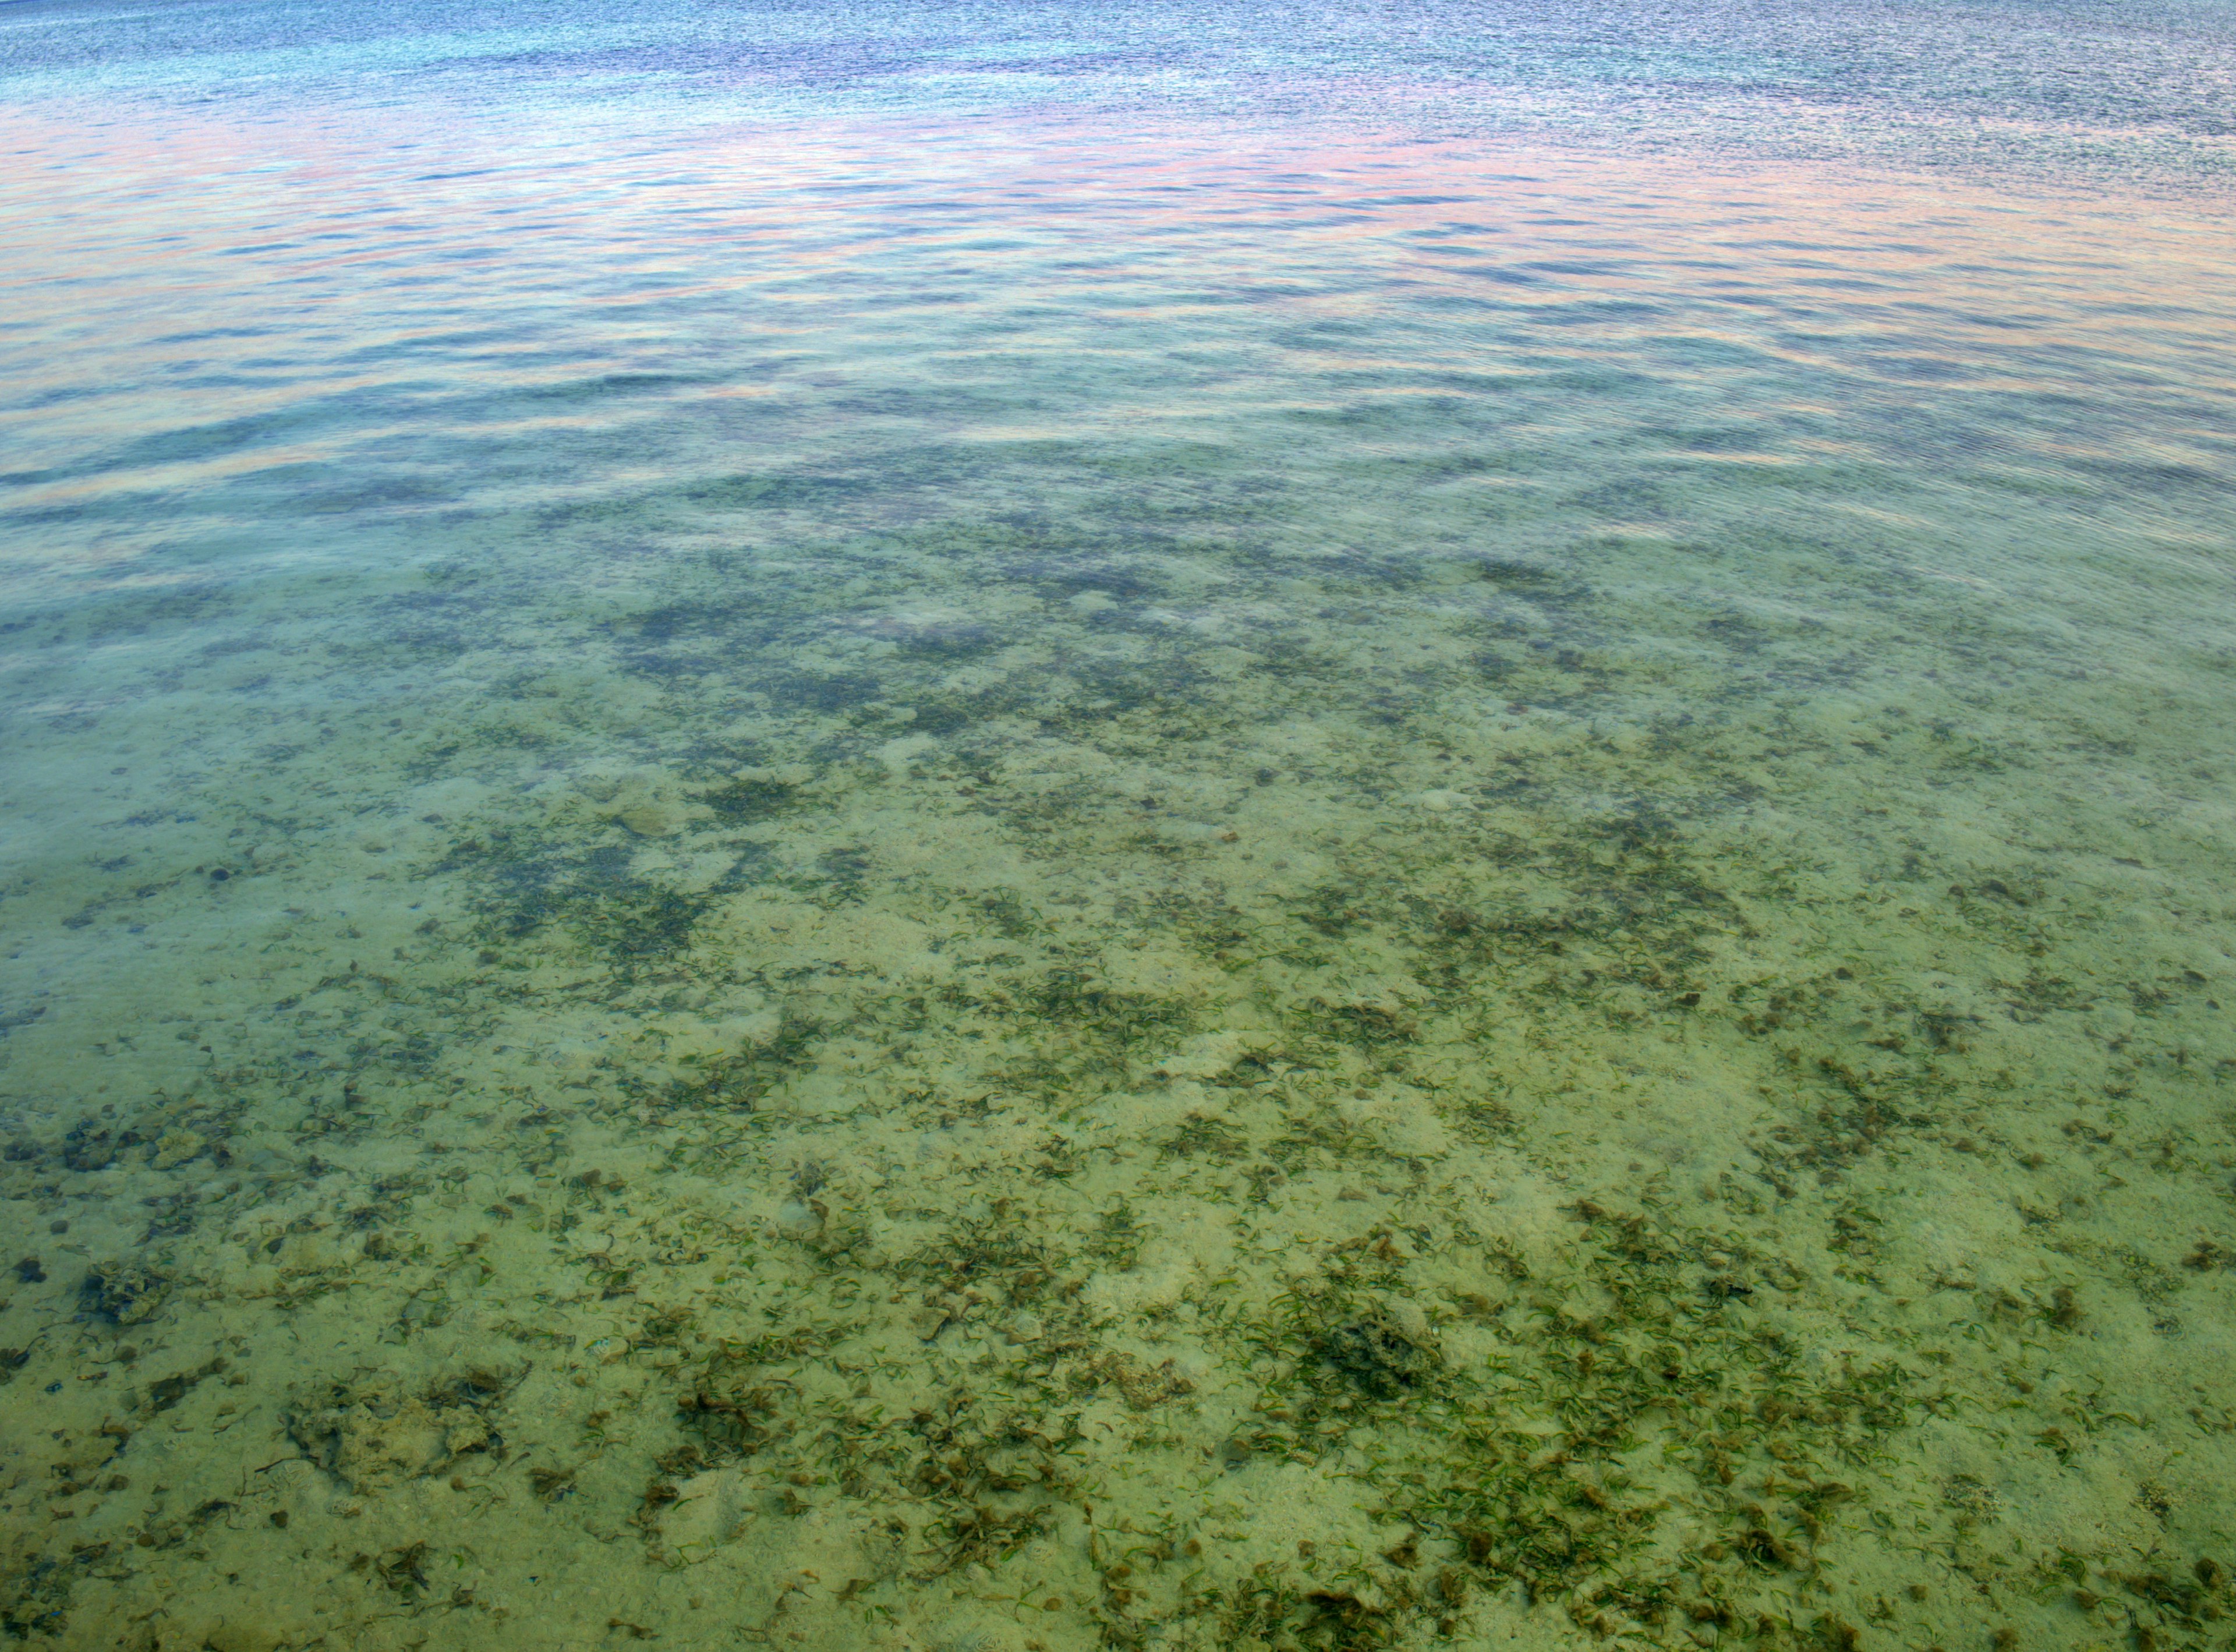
x,y
1117,826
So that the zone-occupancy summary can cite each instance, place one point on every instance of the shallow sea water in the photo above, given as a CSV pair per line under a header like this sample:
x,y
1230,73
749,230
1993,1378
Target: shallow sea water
x,y
1049,828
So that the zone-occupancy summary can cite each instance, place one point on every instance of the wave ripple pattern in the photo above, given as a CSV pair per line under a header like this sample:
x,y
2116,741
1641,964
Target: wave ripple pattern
x,y
1051,826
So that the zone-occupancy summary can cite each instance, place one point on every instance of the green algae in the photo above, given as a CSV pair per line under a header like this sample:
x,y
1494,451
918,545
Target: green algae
x,y
1070,1051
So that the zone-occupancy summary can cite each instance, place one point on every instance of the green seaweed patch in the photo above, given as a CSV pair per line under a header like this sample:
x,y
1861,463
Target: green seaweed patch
x,y
1301,660
984,1472
991,1471
1103,1025
2173,1605
631,922
1863,1107
1275,1608
1343,1355
944,712
738,1082
841,876
733,1403
1218,933
991,1259
638,923
1531,1471
1370,1026
1334,910
1008,915
1326,1138
1118,1236
1201,1136
743,802
780,490
1478,1116
979,1533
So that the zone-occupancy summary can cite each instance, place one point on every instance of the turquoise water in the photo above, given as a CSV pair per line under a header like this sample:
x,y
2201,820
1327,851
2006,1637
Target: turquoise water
x,y
1045,827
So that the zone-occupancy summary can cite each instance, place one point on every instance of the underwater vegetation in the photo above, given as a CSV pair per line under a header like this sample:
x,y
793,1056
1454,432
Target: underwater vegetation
x,y
1313,1250
1481,1011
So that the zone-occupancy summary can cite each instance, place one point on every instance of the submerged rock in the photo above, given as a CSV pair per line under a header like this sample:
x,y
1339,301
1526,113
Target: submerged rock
x,y
124,1292
1377,1354
374,1437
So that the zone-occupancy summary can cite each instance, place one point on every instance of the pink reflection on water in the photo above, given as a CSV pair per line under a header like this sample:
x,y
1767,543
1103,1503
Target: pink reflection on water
x,y
205,272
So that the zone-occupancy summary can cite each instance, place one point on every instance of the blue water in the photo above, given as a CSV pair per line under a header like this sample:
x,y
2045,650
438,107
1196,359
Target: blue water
x,y
2140,89
1117,826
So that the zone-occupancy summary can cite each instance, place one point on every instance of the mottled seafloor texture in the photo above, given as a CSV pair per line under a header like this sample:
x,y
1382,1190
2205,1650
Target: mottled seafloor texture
x,y
1014,829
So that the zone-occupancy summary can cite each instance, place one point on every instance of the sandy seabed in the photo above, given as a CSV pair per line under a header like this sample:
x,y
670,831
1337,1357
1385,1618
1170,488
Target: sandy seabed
x,y
1091,1119
1564,1050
